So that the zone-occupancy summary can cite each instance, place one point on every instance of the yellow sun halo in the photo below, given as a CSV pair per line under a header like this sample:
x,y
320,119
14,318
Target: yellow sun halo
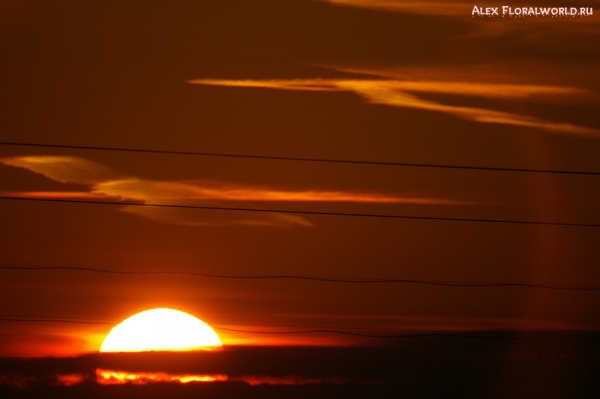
x,y
160,330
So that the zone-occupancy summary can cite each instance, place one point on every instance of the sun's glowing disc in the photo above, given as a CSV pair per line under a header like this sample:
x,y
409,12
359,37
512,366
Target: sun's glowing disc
x,y
160,330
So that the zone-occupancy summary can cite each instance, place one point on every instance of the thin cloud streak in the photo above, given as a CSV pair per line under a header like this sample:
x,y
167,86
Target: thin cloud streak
x,y
213,190
104,183
254,195
443,82
112,377
119,377
568,81
490,90
395,93
64,169
56,194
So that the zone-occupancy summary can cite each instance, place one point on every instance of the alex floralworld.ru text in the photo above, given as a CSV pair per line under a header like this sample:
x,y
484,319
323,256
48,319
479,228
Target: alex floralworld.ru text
x,y
532,11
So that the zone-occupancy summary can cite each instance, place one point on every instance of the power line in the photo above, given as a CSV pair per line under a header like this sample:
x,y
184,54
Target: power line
x,y
300,159
318,330
298,212
305,278
398,333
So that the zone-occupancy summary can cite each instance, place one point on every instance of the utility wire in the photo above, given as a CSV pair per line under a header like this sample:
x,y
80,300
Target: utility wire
x,y
398,334
305,278
299,159
298,212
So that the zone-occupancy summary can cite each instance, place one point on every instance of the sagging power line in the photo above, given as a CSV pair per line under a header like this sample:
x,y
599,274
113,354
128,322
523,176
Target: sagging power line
x,y
304,278
394,333
299,212
300,159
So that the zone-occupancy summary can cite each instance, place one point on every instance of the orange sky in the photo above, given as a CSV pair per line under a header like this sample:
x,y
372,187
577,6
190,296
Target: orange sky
x,y
389,81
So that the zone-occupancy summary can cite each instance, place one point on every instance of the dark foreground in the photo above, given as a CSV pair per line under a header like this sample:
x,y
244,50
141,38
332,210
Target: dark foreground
x,y
493,365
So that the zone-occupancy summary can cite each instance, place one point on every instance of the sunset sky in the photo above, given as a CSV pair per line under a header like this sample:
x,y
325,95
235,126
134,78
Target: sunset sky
x,y
378,82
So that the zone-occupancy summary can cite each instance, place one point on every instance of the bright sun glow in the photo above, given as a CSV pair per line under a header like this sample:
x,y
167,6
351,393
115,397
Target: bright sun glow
x,y
160,330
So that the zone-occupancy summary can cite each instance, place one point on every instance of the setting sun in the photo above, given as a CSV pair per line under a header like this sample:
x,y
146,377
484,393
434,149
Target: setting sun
x,y
160,330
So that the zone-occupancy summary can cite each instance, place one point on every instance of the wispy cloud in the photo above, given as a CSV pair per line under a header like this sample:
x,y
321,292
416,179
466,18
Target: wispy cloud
x,y
64,169
490,90
112,377
164,191
396,93
119,377
105,183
